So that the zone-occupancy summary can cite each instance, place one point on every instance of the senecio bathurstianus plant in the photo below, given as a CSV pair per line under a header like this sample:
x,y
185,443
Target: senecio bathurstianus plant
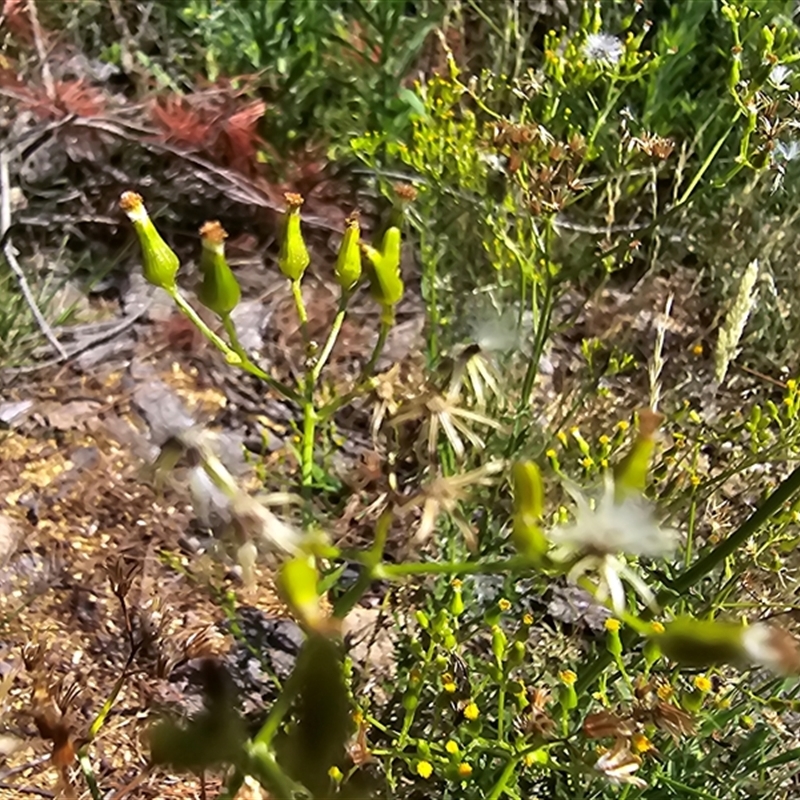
x,y
599,550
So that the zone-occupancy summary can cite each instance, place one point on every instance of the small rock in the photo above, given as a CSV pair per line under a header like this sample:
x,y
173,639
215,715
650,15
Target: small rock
x,y
13,413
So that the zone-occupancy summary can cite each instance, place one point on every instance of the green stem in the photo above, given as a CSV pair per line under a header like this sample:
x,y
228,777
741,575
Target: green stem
x,y
89,776
687,579
397,571
769,508
297,294
362,384
232,356
542,329
383,335
309,433
332,337
505,776
501,709
704,167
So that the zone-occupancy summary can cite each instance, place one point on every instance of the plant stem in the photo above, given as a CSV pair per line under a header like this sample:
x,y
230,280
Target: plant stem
x,y
366,374
235,357
501,709
771,506
383,335
332,337
499,788
397,571
309,433
297,294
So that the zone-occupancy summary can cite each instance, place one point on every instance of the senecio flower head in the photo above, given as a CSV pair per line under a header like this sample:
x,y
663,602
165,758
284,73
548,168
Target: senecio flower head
x,y
604,532
603,48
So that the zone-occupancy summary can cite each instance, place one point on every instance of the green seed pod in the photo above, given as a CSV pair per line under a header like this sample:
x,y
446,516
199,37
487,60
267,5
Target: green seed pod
x,y
348,261
159,263
293,257
220,290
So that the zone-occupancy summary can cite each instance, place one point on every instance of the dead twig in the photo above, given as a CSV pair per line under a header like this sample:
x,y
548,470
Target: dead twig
x,y
41,51
101,338
11,258
27,790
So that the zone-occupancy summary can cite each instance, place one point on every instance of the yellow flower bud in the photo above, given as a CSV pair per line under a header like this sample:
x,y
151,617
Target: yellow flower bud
x,y
348,261
159,263
293,257
220,290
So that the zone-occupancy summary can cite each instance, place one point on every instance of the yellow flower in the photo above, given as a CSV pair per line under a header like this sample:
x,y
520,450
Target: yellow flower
x,y
657,627
503,604
612,625
527,619
665,692
623,425
697,350
335,774
641,744
451,747
567,677
471,712
587,462
424,769
604,439
694,480
702,683
562,437
464,770
551,453
449,686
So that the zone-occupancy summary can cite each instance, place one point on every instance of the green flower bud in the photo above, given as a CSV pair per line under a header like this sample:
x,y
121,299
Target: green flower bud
x,y
297,581
348,261
701,643
457,601
516,654
692,701
526,534
220,290
293,257
630,475
159,263
385,281
613,642
410,701
499,641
